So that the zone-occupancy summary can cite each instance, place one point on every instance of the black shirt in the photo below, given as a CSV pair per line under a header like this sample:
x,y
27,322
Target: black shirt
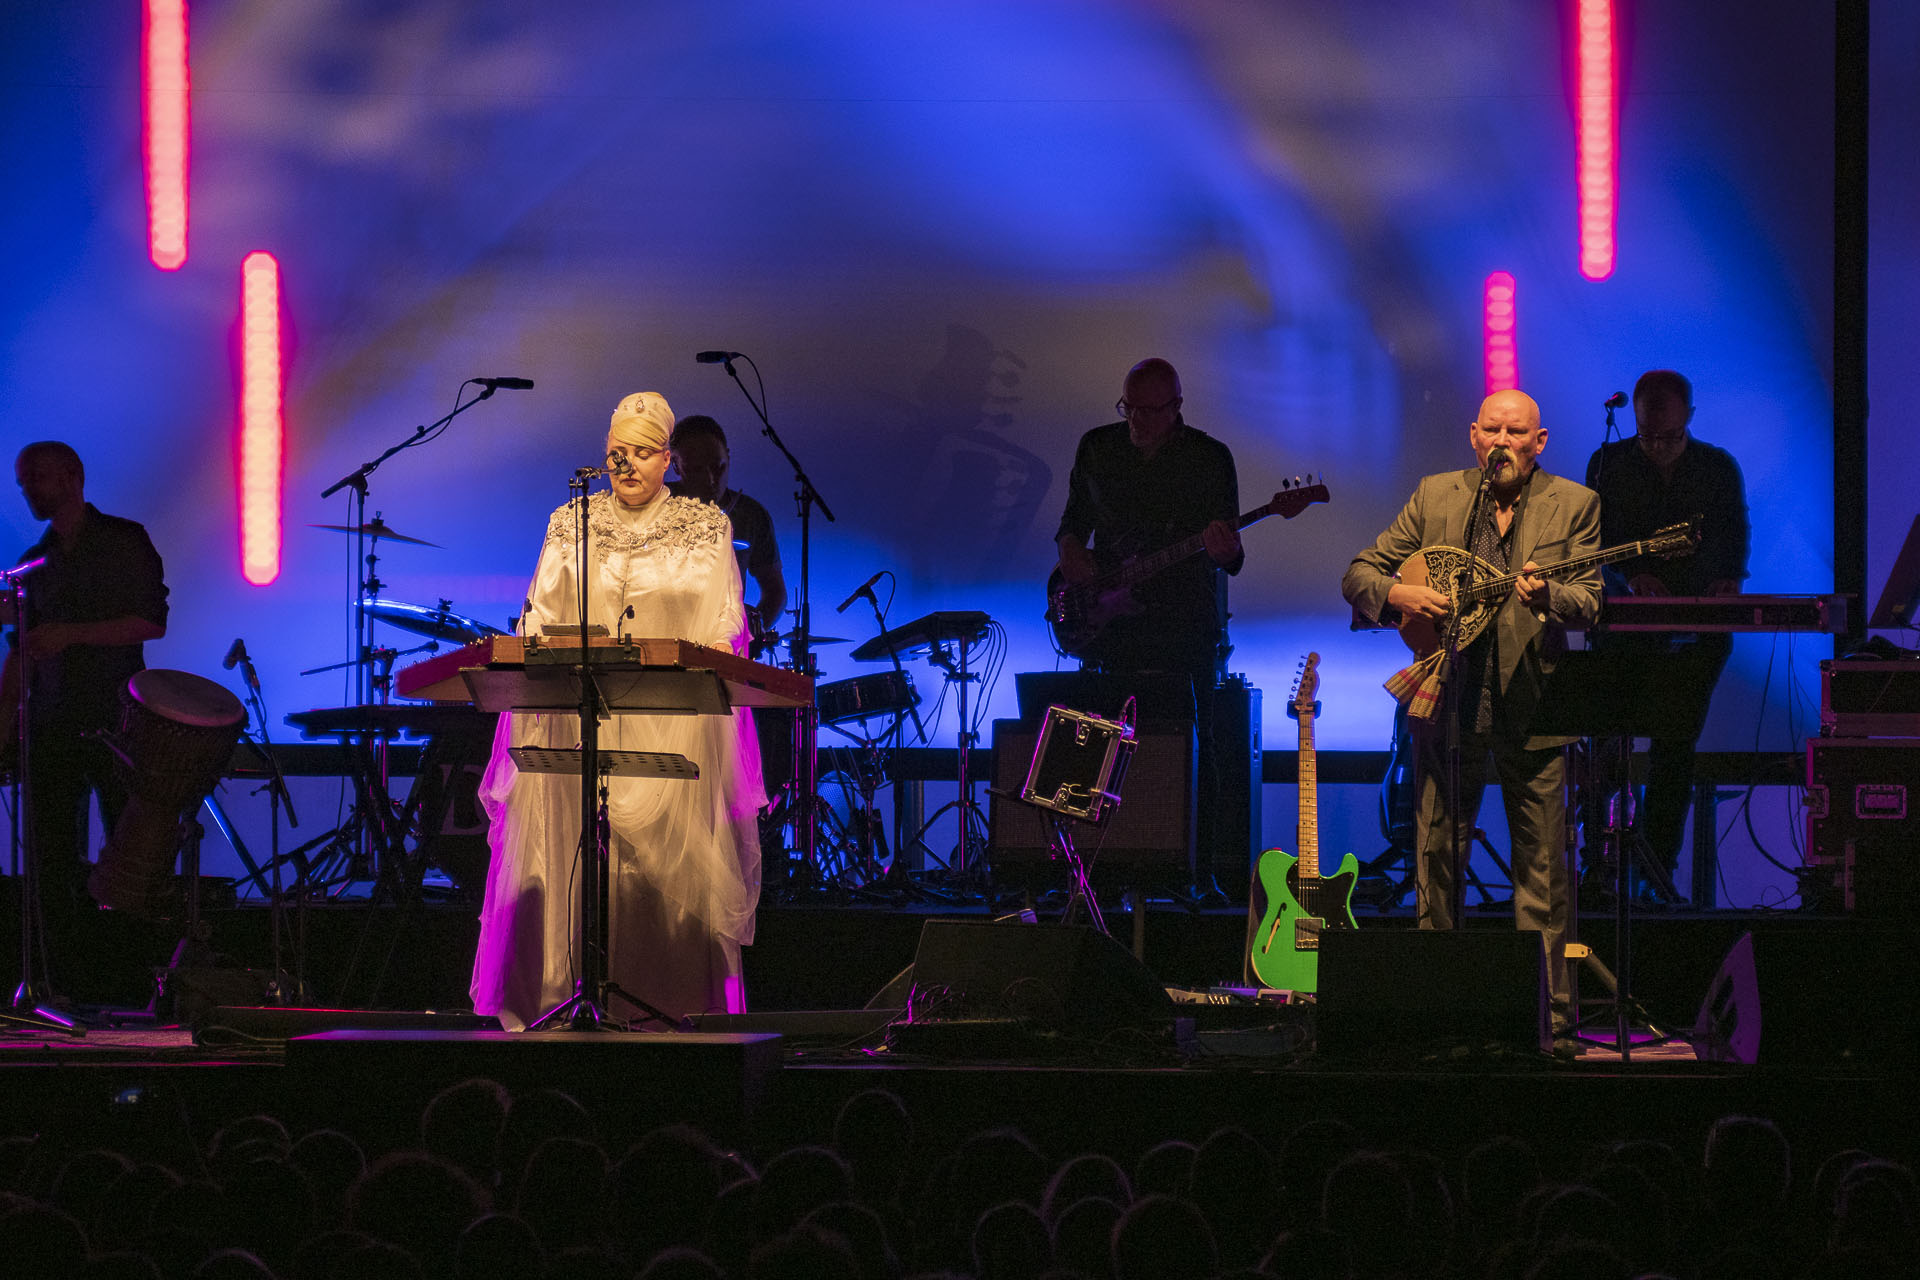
x,y
1635,501
110,570
1130,504
751,524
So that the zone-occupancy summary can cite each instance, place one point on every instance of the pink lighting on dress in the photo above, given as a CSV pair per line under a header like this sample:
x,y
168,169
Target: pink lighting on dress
x,y
1498,316
261,425
163,60
1597,135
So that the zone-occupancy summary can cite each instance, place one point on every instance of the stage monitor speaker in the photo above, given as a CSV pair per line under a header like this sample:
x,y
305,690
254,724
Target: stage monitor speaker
x,y
1832,994
1149,839
1402,989
1057,975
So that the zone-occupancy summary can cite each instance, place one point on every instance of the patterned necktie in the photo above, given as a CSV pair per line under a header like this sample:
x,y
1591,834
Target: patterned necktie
x,y
1487,545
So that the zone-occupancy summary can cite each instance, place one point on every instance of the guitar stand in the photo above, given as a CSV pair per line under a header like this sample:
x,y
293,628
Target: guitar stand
x,y
1394,866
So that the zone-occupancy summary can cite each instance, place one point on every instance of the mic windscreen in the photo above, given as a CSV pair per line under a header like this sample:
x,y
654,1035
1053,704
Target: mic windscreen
x,y
714,357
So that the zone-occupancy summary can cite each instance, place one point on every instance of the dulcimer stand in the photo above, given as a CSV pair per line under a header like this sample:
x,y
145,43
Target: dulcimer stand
x,y
592,681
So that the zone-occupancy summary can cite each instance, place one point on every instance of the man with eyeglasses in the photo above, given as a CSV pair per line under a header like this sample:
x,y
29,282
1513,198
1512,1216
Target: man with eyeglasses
x,y
1661,476
1138,485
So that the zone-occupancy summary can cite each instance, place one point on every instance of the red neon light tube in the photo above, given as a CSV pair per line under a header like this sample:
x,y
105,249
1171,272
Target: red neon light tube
x,y
163,61
262,425
1597,135
1499,322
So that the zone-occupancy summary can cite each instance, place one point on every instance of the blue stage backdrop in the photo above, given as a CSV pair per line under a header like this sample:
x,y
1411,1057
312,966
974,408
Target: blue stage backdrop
x,y
943,232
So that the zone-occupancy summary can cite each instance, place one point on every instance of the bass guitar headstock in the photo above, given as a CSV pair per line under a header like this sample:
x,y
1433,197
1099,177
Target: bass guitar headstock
x,y
1297,495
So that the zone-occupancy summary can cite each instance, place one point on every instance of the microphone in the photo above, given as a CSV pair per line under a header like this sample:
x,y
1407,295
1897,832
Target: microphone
x,y
1495,458
866,589
236,653
1615,401
506,384
716,357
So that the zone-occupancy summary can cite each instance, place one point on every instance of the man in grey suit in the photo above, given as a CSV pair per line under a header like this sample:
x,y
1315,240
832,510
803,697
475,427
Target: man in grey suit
x,y
1532,518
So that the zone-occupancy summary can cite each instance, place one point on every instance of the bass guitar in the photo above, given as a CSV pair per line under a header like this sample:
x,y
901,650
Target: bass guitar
x,y
1476,602
1285,950
1077,615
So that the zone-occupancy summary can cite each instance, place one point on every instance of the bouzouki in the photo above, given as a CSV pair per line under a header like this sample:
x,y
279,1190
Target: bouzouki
x,y
1487,588
1077,615
1285,951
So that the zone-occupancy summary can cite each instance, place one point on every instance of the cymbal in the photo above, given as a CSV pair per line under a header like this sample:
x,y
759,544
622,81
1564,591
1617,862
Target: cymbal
x,y
439,624
375,528
785,636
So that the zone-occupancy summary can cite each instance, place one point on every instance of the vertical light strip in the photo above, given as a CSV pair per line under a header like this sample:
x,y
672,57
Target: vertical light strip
x,y
261,423
1597,136
1498,316
163,59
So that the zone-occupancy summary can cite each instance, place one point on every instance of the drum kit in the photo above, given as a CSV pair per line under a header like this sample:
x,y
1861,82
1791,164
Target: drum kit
x,y
874,712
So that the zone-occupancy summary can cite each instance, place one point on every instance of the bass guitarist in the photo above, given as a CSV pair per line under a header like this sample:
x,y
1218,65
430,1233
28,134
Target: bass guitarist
x,y
1532,518
1137,485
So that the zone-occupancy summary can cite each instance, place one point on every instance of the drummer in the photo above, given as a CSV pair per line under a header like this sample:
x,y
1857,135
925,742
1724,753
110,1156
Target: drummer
x,y
700,465
100,596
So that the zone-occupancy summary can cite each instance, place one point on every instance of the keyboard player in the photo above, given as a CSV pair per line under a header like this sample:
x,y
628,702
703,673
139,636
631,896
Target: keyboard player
x,y
1659,477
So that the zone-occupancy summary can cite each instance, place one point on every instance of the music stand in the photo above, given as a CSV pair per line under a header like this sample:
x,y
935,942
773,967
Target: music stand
x,y
1602,695
1079,762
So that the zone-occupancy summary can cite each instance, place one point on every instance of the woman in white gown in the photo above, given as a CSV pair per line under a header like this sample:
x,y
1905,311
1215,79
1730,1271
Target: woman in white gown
x,y
685,855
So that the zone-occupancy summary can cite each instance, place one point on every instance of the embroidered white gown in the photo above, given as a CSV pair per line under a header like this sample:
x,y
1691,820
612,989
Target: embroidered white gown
x,y
685,855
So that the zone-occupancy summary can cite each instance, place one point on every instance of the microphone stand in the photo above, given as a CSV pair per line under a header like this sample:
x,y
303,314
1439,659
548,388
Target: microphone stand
x,y
30,1008
1459,842
369,585
806,720
278,798
896,876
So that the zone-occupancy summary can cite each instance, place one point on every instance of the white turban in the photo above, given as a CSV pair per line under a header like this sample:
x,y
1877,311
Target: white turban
x,y
642,421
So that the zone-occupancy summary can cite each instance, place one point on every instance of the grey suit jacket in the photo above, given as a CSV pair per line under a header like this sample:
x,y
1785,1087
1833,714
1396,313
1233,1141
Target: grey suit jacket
x,y
1562,519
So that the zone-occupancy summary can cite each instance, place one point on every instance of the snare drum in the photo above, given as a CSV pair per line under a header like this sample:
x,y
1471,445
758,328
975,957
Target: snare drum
x,y
877,693
177,732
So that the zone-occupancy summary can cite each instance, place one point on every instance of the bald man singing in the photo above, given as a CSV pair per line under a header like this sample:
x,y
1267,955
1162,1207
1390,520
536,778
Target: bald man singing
x,y
1533,518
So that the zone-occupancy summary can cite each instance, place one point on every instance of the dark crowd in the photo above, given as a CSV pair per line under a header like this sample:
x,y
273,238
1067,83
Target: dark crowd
x,y
493,1183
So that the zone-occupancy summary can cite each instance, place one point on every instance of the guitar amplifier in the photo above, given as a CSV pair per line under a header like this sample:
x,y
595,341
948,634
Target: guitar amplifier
x,y
1148,839
1230,826
1863,820
1869,698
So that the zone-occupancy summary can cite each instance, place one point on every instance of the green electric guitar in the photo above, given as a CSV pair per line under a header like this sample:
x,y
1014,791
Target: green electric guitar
x,y
1301,902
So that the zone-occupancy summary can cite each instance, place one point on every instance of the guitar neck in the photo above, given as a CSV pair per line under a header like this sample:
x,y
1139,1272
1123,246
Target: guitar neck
x,y
1146,566
1309,833
1500,585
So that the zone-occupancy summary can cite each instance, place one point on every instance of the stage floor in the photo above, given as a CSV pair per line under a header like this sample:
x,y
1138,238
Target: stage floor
x,y
1838,1057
